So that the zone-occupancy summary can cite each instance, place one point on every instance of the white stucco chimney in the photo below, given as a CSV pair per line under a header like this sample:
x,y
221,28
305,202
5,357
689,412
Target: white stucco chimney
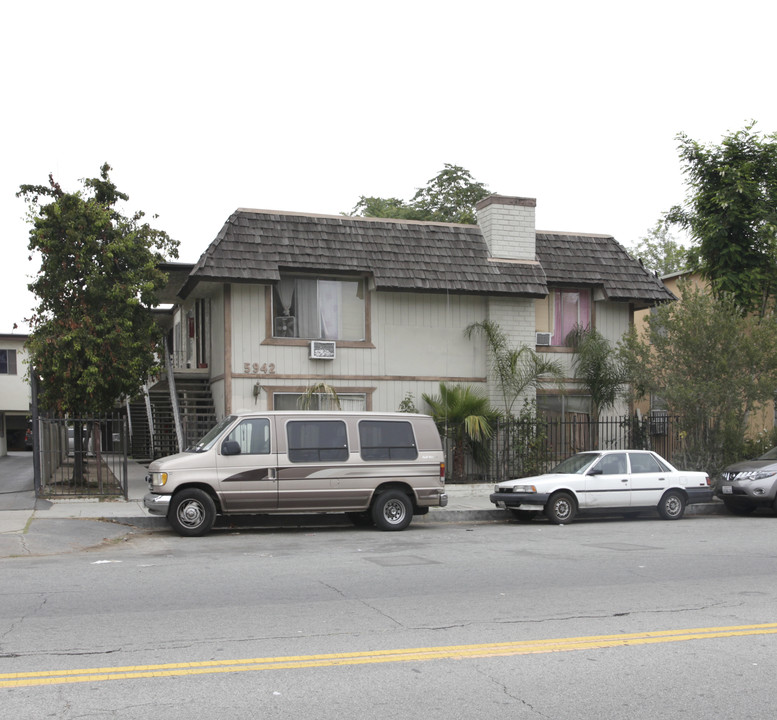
x,y
507,224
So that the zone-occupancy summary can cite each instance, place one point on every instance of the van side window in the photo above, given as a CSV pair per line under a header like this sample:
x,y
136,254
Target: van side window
x,y
253,436
387,440
317,441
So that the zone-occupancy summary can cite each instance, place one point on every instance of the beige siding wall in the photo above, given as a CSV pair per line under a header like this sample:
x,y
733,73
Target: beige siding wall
x,y
418,341
612,319
216,354
15,389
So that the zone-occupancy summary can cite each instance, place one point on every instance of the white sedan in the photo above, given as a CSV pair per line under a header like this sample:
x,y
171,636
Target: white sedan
x,y
625,481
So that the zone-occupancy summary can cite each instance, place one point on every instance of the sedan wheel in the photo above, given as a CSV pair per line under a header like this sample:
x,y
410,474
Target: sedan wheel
x,y
561,508
672,505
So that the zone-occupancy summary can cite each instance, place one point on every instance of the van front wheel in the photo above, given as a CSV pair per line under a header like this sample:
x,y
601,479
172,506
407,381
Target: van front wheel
x,y
392,510
192,512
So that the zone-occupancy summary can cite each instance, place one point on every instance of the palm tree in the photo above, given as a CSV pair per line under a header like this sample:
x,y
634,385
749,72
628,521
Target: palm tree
x,y
597,369
464,415
517,369
327,394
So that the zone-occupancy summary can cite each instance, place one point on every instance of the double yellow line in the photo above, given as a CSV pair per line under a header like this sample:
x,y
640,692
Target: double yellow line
x,y
449,652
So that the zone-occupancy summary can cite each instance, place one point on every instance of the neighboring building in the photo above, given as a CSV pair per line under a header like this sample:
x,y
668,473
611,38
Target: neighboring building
x,y
377,309
14,393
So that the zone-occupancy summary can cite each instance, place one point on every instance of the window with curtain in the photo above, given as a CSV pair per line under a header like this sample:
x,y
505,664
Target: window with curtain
x,y
7,362
570,308
319,308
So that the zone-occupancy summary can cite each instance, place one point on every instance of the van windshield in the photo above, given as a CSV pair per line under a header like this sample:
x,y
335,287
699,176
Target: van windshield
x,y
209,440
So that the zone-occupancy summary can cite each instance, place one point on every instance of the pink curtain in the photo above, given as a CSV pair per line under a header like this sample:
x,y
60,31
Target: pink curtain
x,y
570,308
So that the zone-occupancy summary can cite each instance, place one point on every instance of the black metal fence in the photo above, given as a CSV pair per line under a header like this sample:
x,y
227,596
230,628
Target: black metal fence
x,y
82,457
522,448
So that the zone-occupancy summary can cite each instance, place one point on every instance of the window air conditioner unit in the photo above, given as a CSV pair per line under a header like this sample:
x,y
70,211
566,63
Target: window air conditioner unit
x,y
322,349
543,338
659,422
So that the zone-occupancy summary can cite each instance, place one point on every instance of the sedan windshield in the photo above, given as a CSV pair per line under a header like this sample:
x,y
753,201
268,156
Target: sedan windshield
x,y
577,464
213,434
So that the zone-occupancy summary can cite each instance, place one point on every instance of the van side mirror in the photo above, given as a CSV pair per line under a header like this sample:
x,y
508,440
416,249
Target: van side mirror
x,y
230,447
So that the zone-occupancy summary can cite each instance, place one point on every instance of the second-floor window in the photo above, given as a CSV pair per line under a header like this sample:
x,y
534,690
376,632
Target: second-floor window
x,y
570,308
319,308
7,362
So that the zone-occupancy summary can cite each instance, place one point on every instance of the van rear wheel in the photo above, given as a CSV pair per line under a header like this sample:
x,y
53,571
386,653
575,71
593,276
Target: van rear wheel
x,y
392,510
192,512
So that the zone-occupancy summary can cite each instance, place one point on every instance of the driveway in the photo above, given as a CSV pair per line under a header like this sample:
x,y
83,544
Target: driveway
x,y
17,485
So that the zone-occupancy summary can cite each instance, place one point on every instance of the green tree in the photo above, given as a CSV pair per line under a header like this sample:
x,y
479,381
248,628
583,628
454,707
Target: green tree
x,y
516,369
450,196
463,415
710,365
660,252
731,215
93,338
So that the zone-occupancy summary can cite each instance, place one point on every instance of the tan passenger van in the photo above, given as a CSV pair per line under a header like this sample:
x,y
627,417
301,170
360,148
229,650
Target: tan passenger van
x,y
378,468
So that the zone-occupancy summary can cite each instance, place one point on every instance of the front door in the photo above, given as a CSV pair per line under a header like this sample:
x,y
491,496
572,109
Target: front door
x,y
607,483
248,481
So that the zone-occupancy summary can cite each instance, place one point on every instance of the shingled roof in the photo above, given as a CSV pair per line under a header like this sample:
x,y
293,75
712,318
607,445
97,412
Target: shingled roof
x,y
257,245
598,261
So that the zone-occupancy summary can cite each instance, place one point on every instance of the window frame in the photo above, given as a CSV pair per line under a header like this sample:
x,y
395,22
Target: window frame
x,y
8,364
584,308
272,296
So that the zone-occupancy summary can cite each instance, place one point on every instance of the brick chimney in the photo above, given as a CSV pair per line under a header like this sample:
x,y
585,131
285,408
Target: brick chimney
x,y
507,224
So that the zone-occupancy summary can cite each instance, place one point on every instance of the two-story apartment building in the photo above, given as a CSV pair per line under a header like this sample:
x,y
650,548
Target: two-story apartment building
x,y
14,393
377,309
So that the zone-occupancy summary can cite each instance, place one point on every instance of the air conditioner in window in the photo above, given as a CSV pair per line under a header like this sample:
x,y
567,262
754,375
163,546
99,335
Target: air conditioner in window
x,y
544,338
322,350
659,422
285,326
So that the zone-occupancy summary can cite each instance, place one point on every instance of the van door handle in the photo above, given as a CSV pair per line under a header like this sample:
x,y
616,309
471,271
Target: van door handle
x,y
272,474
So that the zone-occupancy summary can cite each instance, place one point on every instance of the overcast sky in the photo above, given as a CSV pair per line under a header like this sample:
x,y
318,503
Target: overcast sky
x,y
204,107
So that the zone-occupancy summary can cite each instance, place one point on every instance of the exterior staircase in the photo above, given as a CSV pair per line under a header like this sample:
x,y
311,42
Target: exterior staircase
x,y
195,408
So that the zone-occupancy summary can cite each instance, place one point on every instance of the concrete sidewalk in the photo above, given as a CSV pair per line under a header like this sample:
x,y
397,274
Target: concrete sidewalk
x,y
466,502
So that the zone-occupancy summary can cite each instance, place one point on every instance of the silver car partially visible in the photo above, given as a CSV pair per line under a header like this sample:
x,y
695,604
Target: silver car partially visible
x,y
751,484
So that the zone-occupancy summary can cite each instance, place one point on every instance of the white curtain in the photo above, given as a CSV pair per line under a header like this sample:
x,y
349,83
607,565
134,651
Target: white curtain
x,y
329,303
307,314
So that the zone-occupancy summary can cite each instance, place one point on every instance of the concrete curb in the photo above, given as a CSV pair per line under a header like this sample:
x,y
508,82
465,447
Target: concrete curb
x,y
435,515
